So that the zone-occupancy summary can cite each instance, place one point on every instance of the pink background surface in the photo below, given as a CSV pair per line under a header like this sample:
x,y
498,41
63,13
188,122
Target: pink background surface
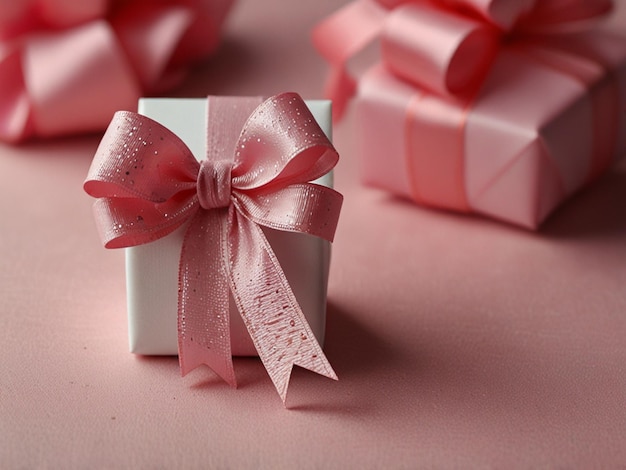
x,y
459,342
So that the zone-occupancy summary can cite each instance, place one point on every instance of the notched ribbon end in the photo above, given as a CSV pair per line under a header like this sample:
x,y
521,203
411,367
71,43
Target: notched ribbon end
x,y
283,386
221,366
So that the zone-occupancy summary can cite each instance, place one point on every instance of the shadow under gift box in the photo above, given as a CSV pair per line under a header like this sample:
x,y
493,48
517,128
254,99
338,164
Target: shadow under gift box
x,y
548,120
152,269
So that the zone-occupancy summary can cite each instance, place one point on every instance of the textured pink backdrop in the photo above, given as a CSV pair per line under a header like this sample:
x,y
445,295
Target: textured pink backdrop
x,y
459,342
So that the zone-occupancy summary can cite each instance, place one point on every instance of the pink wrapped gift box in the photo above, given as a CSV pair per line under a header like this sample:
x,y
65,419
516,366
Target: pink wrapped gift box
x,y
459,115
535,135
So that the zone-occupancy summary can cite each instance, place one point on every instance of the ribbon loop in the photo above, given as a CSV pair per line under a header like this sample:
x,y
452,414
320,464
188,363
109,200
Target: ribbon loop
x,y
213,184
442,52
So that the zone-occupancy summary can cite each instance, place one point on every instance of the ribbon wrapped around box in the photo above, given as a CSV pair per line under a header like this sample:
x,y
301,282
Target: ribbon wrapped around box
x,y
479,108
234,248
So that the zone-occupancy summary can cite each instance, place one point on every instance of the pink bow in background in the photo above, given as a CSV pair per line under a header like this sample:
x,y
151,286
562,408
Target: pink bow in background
x,y
444,46
66,66
261,157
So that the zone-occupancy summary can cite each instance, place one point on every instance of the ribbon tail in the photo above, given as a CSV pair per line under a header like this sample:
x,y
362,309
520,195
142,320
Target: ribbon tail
x,y
339,38
269,309
203,302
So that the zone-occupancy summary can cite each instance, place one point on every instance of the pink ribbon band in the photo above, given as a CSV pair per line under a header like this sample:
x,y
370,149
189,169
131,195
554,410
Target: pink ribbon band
x,y
447,54
435,151
260,159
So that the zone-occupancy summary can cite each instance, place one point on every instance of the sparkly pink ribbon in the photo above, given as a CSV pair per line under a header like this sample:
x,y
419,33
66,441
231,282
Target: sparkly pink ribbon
x,y
66,67
260,159
446,46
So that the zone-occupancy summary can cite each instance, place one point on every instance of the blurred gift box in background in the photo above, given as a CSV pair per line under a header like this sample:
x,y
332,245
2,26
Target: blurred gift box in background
x,y
67,66
496,107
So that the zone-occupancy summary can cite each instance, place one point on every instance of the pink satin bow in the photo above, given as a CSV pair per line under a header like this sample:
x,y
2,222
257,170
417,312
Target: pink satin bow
x,y
261,157
445,47
66,67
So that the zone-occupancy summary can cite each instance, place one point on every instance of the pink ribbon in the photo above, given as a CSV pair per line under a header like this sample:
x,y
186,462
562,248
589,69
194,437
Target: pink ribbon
x,y
446,47
66,67
261,157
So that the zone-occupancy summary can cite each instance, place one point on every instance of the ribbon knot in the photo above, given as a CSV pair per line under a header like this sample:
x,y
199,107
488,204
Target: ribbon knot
x,y
260,159
213,184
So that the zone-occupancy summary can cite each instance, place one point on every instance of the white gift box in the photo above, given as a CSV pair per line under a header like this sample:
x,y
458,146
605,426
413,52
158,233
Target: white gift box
x,y
152,269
